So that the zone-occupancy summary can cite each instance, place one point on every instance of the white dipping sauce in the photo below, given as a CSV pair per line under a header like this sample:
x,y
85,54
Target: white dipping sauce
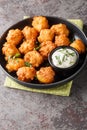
x,y
64,58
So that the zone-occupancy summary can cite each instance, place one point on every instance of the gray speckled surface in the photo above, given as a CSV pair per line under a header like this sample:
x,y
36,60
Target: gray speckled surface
x,y
20,110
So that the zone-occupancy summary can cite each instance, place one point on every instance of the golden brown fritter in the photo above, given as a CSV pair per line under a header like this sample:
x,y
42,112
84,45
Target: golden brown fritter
x,y
14,36
30,33
27,46
9,50
26,73
39,23
46,48
60,29
34,58
78,45
14,64
45,75
45,35
62,40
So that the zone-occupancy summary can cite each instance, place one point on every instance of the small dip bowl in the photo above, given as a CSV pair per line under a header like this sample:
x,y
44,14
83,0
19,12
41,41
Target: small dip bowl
x,y
63,58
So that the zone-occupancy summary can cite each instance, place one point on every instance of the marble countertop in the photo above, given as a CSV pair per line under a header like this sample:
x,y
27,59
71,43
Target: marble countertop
x,y
21,110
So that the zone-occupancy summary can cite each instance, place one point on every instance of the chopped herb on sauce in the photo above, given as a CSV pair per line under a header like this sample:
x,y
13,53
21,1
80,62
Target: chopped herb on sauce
x,y
64,58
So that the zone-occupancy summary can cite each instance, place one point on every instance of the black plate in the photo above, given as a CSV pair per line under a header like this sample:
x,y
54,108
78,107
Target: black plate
x,y
60,78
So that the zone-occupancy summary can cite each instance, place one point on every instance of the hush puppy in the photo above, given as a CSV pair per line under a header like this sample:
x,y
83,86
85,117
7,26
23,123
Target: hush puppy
x,y
14,64
60,29
9,50
45,75
14,36
78,45
30,33
39,23
26,73
34,58
27,46
46,48
62,40
45,35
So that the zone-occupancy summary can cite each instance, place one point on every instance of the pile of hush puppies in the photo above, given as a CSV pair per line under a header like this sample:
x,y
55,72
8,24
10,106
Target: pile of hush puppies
x,y
26,50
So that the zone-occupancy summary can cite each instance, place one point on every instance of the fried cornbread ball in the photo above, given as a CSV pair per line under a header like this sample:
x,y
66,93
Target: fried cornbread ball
x,y
60,29
14,36
26,73
14,64
45,35
46,48
26,46
9,50
45,75
34,58
39,23
62,40
78,45
30,33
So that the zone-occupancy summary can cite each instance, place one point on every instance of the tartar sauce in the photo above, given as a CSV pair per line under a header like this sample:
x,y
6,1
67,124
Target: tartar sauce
x,y
64,58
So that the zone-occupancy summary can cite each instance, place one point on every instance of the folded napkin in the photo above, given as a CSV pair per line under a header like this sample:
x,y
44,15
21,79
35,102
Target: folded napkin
x,y
63,90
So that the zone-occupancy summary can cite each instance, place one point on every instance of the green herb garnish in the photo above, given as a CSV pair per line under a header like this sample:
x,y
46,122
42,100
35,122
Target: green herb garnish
x,y
17,60
72,54
28,64
37,48
68,53
17,55
64,58
58,58
71,62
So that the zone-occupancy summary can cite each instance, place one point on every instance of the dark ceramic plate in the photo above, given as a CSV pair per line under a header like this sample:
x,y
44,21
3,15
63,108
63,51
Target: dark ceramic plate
x,y
60,78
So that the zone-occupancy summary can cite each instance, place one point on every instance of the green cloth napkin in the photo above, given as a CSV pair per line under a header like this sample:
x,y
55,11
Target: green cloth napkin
x,y
63,90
